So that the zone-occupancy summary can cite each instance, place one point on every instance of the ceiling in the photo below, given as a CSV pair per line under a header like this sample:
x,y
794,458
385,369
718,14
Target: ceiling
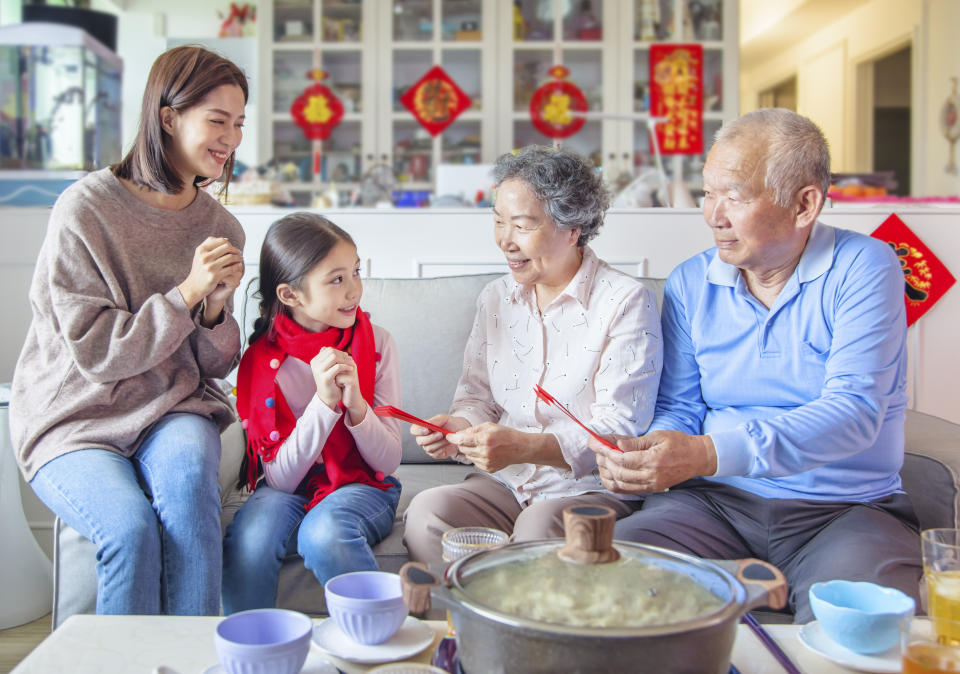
x,y
770,26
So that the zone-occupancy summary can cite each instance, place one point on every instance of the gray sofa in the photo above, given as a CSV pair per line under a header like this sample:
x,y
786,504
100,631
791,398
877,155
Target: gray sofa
x,y
430,320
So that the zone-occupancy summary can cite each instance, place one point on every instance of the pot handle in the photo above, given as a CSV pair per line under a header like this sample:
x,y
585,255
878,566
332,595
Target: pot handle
x,y
417,581
764,583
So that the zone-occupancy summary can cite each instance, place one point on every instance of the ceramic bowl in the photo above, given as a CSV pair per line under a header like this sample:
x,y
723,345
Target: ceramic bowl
x,y
367,606
862,617
263,641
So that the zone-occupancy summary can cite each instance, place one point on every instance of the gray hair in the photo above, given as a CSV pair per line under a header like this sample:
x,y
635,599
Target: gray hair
x,y
794,150
571,192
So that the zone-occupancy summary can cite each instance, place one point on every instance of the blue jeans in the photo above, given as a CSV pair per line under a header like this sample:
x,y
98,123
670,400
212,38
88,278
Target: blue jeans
x,y
154,517
334,537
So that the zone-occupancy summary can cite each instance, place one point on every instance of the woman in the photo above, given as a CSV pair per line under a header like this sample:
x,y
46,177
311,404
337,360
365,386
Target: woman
x,y
113,413
563,319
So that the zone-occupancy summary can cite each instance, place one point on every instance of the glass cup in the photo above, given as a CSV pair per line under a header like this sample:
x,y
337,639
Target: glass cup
x,y
922,649
941,570
460,542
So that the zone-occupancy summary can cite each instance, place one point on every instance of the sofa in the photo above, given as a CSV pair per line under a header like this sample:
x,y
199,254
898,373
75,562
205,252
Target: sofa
x,y
430,318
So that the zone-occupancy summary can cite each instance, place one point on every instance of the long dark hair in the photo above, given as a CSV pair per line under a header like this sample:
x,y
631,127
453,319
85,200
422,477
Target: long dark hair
x,y
180,78
294,245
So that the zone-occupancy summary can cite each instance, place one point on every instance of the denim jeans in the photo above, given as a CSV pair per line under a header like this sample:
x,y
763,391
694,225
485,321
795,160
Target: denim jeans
x,y
154,517
334,537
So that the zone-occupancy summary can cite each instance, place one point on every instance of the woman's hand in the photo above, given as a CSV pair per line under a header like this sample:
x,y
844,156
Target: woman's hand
x,y
435,443
491,447
215,261
214,303
326,366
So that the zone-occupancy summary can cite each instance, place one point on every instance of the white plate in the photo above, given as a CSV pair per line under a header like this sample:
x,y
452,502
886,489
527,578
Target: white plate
x,y
813,637
315,664
412,637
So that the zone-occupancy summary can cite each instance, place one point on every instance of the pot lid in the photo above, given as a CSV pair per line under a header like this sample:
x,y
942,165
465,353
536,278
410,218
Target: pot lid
x,y
586,581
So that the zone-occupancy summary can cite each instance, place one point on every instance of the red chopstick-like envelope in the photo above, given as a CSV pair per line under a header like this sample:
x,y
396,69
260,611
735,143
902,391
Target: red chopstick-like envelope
x,y
397,413
550,400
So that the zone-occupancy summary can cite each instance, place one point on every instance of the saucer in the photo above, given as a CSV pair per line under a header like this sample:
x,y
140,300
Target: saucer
x,y
315,664
412,637
813,637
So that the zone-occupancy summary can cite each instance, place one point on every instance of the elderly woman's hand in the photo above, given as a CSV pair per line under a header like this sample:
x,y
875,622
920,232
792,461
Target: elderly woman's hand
x,y
435,443
654,462
491,447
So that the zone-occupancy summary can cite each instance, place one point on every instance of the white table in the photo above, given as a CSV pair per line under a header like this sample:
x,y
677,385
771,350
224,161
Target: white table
x,y
87,644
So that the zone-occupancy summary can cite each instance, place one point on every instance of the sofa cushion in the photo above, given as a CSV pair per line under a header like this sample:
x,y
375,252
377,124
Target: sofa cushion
x,y
930,469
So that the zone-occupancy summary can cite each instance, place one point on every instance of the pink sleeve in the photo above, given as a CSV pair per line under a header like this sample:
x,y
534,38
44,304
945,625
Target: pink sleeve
x,y
378,438
302,449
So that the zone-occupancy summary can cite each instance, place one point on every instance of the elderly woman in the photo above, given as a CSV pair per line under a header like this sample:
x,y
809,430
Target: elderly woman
x,y
563,319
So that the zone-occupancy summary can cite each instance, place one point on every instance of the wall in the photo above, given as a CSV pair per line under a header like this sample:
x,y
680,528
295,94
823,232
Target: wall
x,y
831,84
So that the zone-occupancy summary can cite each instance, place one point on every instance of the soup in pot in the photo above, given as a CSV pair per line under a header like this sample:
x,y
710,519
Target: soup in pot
x,y
625,593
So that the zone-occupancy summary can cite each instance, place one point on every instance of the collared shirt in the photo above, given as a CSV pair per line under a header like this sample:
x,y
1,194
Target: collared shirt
x,y
596,348
802,400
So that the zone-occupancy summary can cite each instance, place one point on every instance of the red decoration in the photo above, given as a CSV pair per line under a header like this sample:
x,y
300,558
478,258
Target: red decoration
x,y
676,92
552,103
317,110
926,279
435,100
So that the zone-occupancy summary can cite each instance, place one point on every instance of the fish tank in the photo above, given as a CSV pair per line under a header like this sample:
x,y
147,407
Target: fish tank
x,y
59,105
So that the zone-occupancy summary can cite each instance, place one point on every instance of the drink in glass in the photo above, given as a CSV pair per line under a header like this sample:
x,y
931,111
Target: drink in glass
x,y
923,651
941,568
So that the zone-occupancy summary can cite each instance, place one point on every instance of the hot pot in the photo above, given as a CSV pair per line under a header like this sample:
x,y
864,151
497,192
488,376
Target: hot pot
x,y
502,634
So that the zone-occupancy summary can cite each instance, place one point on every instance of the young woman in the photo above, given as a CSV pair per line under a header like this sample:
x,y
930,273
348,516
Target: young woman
x,y
114,416
315,367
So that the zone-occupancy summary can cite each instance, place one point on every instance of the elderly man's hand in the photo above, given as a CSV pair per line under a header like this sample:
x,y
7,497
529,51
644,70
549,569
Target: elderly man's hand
x,y
654,462
491,447
434,443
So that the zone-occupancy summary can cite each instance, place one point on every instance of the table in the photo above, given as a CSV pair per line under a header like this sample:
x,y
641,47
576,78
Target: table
x,y
88,644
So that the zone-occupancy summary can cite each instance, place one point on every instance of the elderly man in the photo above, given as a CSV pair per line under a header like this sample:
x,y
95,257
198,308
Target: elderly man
x,y
778,430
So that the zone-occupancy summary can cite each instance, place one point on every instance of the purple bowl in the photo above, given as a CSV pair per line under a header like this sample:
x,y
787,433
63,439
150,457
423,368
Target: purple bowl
x,y
367,606
263,641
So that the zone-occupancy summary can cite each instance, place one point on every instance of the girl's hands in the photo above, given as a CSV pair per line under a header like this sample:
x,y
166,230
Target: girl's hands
x,y
216,261
335,374
435,443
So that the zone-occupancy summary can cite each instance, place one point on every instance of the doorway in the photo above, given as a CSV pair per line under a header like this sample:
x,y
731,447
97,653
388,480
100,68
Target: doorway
x,y
891,117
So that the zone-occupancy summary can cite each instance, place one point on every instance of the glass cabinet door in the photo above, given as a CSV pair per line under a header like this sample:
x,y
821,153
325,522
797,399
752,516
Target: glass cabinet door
x,y
547,33
424,34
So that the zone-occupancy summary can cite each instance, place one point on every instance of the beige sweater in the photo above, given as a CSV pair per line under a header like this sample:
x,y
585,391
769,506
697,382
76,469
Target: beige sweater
x,y
112,347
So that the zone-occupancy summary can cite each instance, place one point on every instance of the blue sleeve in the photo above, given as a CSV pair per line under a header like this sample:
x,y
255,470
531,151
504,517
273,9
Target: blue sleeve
x,y
864,370
680,405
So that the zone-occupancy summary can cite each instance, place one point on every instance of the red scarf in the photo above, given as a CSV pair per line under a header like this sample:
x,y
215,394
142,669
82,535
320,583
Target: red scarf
x,y
268,420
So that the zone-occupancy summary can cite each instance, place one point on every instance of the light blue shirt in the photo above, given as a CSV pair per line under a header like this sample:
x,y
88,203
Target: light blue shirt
x,y
802,400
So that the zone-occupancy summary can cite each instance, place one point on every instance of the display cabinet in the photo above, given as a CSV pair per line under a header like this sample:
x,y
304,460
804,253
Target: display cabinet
x,y
498,53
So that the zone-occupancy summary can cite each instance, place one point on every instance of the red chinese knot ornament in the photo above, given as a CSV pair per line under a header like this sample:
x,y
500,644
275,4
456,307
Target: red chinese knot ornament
x,y
435,100
552,104
317,110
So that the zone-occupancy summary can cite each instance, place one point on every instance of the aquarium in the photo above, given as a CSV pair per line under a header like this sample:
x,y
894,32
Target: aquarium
x,y
59,99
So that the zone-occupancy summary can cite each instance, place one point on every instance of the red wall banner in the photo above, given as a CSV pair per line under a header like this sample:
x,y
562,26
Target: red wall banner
x,y
676,92
925,277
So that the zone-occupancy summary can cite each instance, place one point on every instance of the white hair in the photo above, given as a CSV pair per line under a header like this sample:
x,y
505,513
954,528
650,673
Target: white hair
x,y
794,150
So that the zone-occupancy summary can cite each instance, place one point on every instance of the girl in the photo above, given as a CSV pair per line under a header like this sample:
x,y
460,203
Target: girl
x,y
113,413
305,388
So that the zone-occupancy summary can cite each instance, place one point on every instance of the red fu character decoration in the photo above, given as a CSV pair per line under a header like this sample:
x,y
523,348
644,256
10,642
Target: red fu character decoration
x,y
925,277
553,104
676,92
435,100
317,111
